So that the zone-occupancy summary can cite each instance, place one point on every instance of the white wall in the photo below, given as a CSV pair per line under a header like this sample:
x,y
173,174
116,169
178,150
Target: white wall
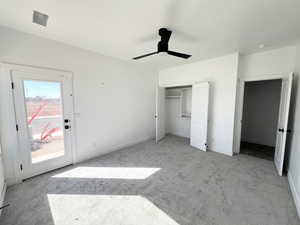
x,y
119,114
2,178
277,61
175,123
221,72
294,145
1,171
2,182
260,112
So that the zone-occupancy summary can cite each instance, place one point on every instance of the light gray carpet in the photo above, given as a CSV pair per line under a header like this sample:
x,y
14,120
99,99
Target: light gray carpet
x,y
166,184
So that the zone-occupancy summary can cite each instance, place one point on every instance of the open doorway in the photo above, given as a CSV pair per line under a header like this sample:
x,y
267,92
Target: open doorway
x,y
260,118
259,113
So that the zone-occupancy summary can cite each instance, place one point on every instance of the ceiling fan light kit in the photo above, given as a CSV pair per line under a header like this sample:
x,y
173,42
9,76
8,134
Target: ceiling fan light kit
x,y
163,46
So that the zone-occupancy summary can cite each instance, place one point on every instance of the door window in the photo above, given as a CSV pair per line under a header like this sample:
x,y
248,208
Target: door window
x,y
44,119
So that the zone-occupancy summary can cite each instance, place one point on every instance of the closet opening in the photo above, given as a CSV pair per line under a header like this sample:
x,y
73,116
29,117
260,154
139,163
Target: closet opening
x,y
183,111
178,111
261,109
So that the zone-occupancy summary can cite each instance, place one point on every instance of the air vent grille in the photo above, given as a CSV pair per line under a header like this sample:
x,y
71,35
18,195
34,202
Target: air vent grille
x,y
40,18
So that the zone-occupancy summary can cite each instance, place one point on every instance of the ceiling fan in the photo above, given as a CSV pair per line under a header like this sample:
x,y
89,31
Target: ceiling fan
x,y
163,46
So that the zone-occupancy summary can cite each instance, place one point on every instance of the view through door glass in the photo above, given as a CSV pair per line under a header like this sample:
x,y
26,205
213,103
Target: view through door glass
x,y
43,104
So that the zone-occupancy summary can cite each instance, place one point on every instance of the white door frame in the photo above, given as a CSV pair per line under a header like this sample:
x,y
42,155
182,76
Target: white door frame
x,y
14,156
180,84
240,104
160,122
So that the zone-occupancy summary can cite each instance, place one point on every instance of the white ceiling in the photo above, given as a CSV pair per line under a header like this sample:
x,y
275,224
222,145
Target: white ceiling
x,y
124,29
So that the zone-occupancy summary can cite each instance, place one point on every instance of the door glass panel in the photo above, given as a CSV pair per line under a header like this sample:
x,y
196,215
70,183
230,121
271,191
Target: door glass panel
x,y
43,104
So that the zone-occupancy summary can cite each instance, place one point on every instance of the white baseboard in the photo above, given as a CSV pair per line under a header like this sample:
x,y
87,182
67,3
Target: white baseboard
x,y
2,197
113,149
13,181
295,193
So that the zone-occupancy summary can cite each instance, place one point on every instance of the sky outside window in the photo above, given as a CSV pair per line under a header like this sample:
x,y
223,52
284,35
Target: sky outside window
x,y
44,89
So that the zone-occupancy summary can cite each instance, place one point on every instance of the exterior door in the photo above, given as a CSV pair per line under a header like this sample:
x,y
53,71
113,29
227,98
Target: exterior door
x,y
44,114
199,116
160,113
283,123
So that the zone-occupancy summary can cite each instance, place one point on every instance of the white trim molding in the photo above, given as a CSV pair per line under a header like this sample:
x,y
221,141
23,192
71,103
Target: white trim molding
x,y
295,193
115,148
265,77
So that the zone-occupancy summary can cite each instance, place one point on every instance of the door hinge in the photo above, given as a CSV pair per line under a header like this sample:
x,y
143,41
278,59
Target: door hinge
x,y
21,167
17,127
12,85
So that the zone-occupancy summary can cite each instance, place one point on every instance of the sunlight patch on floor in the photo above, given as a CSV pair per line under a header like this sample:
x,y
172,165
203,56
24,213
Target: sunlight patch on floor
x,y
109,173
106,210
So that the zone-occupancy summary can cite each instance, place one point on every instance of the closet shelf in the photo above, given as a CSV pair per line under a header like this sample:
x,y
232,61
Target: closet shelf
x,y
173,96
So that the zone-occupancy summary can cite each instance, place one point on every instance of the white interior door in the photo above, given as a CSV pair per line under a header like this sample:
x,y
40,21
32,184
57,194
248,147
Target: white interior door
x,y
199,116
283,122
160,113
44,110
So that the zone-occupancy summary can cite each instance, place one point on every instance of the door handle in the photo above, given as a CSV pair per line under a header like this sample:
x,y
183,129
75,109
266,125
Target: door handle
x,y
281,130
67,120
67,127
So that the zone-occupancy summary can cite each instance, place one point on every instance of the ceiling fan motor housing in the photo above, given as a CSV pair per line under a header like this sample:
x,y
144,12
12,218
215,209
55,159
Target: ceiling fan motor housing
x,y
162,45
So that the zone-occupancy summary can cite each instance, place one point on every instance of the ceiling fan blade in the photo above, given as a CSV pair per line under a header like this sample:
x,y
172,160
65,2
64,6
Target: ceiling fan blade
x,y
181,55
142,56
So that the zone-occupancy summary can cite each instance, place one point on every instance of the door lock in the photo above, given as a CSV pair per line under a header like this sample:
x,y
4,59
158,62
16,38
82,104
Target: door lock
x,y
67,127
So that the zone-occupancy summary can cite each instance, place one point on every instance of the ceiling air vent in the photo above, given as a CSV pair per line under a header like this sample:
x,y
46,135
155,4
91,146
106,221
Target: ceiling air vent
x,y
40,18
